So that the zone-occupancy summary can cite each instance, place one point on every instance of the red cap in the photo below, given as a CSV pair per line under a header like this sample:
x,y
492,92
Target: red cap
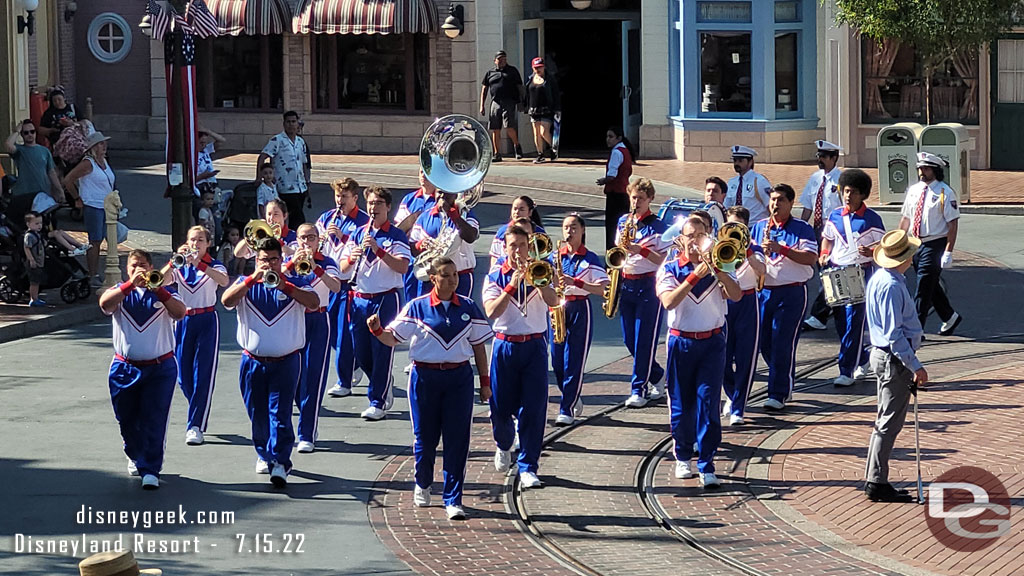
x,y
538,61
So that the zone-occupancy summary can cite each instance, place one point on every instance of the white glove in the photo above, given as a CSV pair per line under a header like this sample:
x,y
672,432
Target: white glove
x,y
947,260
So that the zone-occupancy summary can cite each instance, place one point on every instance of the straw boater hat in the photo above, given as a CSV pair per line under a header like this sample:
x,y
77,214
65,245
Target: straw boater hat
x,y
895,248
94,139
113,564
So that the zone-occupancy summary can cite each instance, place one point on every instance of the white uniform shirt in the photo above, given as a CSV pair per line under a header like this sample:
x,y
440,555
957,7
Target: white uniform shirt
x,y
315,283
415,201
441,332
756,191
832,196
703,309
745,275
582,265
373,275
648,234
269,322
195,288
941,207
429,224
143,330
289,160
498,243
849,230
794,233
524,315
347,225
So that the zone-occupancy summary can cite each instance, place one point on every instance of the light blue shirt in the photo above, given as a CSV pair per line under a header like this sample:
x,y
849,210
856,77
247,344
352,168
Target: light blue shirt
x,y
892,317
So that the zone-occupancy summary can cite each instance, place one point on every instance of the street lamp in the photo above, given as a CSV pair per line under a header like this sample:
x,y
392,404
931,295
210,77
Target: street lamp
x,y
454,24
580,4
28,23
146,26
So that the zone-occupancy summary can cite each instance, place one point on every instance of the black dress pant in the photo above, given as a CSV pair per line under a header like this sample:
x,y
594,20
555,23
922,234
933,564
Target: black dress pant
x,y
616,205
294,202
928,264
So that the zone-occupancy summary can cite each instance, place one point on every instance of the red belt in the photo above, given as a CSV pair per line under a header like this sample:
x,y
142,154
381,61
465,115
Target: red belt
x,y
575,298
196,311
786,285
442,365
152,362
638,276
267,358
516,338
695,335
319,310
465,272
749,292
368,296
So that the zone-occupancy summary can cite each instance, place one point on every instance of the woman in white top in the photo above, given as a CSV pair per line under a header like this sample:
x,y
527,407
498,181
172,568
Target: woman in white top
x,y
91,181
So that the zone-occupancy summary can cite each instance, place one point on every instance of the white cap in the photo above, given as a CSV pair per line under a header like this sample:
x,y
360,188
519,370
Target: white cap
x,y
927,159
743,152
826,146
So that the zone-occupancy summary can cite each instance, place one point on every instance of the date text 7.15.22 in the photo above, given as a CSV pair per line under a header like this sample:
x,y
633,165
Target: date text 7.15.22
x,y
267,543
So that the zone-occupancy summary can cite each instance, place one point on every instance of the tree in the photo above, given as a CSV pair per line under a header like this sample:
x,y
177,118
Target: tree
x,y
937,29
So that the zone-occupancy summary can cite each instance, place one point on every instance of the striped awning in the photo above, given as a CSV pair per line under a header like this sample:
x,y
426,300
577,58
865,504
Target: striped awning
x,y
365,17
250,17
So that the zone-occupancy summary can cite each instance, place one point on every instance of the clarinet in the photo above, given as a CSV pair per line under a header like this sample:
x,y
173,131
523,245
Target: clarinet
x,y
362,255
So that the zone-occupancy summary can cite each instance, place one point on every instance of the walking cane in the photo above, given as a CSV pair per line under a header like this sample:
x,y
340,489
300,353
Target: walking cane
x,y
917,446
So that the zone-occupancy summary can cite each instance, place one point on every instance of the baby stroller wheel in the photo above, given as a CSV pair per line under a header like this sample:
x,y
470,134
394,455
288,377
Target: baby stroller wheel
x,y
69,293
7,292
84,288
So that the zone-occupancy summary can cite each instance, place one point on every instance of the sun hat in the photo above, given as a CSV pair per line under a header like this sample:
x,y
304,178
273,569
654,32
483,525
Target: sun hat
x,y
94,139
895,248
113,564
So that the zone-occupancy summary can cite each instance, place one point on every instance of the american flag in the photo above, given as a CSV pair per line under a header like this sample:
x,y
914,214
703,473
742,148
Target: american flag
x,y
204,23
159,20
179,56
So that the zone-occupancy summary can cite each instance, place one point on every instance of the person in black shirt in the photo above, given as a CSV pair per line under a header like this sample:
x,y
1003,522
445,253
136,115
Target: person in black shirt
x,y
543,101
506,88
60,115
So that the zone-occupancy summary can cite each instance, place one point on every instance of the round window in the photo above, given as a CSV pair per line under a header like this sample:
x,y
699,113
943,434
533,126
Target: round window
x,y
110,37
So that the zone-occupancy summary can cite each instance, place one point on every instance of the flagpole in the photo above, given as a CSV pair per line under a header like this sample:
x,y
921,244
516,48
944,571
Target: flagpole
x,y
181,194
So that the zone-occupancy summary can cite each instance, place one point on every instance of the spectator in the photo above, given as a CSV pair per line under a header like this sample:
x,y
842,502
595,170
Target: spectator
x,y
615,181
206,175
506,88
208,213
36,172
288,153
35,256
60,115
226,252
92,180
267,191
543,101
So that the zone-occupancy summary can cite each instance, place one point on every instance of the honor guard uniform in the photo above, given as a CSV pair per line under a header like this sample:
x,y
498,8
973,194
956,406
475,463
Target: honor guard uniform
x,y
748,188
410,208
143,372
429,225
820,197
784,296
693,296
931,212
743,320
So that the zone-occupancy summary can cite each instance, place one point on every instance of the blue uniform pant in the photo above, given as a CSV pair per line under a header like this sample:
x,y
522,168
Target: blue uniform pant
x,y
268,390
371,355
340,310
519,387
569,359
141,398
928,264
641,323
197,341
742,335
314,374
694,391
441,402
782,311
410,285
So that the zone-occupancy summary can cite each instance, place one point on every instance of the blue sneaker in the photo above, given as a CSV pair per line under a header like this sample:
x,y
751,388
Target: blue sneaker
x,y
37,303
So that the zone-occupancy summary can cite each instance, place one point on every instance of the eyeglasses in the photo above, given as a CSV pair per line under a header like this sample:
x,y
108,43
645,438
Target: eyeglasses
x,y
273,260
309,237
27,132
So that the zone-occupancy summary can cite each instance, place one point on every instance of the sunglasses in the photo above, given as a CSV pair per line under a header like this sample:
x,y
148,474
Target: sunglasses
x,y
27,132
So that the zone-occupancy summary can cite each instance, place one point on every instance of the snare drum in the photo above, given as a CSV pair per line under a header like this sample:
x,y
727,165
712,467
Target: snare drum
x,y
843,285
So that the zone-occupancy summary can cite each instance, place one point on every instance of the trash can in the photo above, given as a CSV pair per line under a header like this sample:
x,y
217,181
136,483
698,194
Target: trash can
x,y
897,160
951,142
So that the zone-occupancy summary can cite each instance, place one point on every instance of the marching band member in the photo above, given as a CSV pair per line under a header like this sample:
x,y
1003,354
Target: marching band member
x,y
748,188
931,212
689,289
377,256
277,217
409,210
323,280
744,326
143,371
714,191
271,334
335,227
443,330
583,275
821,196
522,207
850,236
638,304
519,361
445,214
197,335
791,251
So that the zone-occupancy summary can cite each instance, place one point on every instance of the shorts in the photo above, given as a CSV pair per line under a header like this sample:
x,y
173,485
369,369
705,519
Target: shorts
x,y
95,223
36,275
535,118
503,115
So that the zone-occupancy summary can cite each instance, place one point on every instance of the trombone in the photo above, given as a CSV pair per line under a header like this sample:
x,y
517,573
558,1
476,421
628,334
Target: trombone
x,y
540,272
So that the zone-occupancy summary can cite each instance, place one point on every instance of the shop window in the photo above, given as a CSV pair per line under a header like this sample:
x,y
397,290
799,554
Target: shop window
x,y
1010,69
371,73
240,73
725,71
894,87
109,38
786,70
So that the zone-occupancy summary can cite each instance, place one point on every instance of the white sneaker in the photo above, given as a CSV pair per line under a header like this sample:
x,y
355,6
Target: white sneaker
x,y
357,376
194,436
262,467
515,441
150,482
80,251
843,381
529,480
709,481
305,447
862,372
339,391
656,391
577,408
373,413
564,420
736,420
279,476
455,512
773,404
814,324
683,470
133,470
421,497
408,368
502,460
950,325
636,401
727,407
389,401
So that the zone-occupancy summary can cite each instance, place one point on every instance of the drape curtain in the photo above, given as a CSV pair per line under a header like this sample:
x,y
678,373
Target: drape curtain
x,y
966,64
879,59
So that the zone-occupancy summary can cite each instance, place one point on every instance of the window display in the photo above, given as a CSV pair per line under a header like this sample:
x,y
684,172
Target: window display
x,y
240,72
371,72
725,71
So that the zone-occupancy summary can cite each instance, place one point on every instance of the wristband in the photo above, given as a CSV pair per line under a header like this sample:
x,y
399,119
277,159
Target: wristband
x,y
577,282
785,251
692,279
645,251
453,212
318,271
379,253
287,287
202,265
825,252
485,380
511,289
419,245
126,287
249,281
750,252
163,294
378,331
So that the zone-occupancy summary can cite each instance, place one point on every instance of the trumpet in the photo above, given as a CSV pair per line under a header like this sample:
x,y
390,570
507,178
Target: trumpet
x,y
271,279
540,272
256,231
179,260
730,251
154,279
304,264
615,258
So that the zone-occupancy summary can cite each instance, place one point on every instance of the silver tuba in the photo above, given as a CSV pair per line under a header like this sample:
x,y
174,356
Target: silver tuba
x,y
455,155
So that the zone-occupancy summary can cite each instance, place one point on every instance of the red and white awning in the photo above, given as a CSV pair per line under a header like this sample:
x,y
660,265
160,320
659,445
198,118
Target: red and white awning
x,y
250,17
365,17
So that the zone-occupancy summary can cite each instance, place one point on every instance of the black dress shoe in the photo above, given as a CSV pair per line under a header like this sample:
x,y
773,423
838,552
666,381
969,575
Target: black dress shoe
x,y
519,152
886,493
496,158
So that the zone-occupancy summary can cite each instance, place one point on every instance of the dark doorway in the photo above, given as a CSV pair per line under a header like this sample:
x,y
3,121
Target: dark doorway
x,y
588,57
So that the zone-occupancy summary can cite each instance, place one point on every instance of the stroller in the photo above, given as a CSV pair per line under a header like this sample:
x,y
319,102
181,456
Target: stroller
x,y
243,207
62,270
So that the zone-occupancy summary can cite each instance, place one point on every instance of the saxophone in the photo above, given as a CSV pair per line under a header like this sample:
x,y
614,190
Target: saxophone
x,y
765,238
615,259
558,312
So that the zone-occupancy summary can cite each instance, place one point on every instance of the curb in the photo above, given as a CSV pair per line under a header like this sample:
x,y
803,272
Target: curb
x,y
80,314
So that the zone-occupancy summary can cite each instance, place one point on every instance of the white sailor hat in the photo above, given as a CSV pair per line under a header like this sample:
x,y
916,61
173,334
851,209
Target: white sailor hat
x,y
927,159
826,146
743,152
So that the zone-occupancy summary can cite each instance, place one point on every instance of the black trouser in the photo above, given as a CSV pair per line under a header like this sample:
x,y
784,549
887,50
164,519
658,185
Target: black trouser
x,y
615,206
819,309
928,264
294,202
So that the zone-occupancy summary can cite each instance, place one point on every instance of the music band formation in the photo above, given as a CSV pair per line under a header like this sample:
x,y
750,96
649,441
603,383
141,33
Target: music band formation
x,y
729,276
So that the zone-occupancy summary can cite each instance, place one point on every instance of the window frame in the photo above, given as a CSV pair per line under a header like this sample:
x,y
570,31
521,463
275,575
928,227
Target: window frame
x,y
205,98
700,77
797,112
92,37
334,82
